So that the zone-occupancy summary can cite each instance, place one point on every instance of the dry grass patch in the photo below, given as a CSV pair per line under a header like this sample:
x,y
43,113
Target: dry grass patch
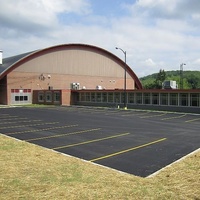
x,y
32,172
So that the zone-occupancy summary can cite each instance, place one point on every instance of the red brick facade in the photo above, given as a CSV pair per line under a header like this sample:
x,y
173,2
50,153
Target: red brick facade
x,y
59,67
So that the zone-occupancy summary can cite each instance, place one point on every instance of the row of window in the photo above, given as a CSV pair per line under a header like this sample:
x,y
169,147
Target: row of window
x,y
176,99
49,96
21,98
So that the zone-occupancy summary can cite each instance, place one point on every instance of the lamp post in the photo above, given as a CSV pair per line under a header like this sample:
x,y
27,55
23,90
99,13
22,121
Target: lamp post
x,y
181,75
125,100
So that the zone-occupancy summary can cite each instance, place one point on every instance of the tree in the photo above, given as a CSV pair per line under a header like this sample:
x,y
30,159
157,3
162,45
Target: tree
x,y
156,80
161,76
193,81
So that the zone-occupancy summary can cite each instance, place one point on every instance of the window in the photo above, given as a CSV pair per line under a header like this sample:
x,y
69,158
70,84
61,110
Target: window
x,y
147,98
87,96
164,99
123,97
25,98
41,97
57,96
48,96
93,97
21,98
110,97
155,98
117,97
139,98
82,96
104,97
130,97
194,99
174,99
183,99
98,96
16,98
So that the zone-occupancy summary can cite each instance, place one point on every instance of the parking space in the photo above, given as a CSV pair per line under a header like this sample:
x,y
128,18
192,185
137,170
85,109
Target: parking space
x,y
132,141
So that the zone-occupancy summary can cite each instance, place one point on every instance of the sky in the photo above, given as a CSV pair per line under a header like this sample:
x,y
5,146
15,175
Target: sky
x,y
156,34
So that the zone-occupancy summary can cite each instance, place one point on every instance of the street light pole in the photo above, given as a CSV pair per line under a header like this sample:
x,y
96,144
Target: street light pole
x,y
125,96
181,75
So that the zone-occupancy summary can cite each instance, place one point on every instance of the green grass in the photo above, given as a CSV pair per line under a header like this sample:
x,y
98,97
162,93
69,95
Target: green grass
x,y
31,172
34,105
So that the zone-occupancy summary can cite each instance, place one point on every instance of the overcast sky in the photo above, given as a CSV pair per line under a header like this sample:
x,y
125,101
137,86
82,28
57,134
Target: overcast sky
x,y
156,34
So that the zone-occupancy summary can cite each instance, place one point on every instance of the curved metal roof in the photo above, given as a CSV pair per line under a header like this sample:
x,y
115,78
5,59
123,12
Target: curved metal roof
x,y
11,63
7,62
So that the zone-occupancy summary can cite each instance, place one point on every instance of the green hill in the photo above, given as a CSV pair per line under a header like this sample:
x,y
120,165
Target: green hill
x,y
191,79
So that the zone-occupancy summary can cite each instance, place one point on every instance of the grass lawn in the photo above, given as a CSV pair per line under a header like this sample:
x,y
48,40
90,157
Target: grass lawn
x,y
31,172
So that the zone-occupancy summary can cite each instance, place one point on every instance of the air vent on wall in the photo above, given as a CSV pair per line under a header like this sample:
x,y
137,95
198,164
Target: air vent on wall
x,y
75,86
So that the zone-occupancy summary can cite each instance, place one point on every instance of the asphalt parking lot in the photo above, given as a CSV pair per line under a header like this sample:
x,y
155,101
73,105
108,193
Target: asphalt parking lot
x,y
132,141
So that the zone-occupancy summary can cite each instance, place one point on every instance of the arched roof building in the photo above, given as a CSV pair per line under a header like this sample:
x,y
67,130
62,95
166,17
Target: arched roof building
x,y
62,67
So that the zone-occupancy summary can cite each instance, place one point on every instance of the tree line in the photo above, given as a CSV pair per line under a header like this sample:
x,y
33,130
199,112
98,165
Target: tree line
x,y
190,79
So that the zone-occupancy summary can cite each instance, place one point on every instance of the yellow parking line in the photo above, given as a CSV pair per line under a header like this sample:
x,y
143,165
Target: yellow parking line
x,y
174,117
98,111
110,112
7,116
36,120
154,115
83,110
52,108
128,114
28,125
136,114
127,150
17,118
192,120
91,141
62,135
44,129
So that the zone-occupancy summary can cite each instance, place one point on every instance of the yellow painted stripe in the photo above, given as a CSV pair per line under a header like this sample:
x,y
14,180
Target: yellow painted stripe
x,y
62,135
128,150
28,125
99,111
8,116
17,118
154,115
128,114
112,112
192,120
136,114
169,118
39,130
25,121
91,141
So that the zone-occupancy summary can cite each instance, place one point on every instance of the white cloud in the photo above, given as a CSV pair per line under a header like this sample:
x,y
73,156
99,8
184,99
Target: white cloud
x,y
152,40
78,6
150,62
196,62
38,13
